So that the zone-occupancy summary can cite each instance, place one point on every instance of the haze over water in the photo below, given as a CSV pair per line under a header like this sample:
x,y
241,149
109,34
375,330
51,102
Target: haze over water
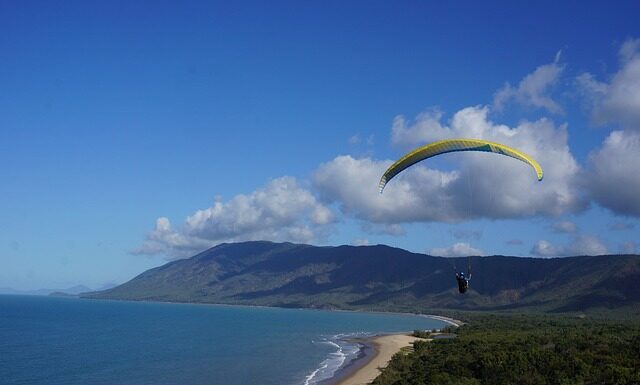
x,y
71,341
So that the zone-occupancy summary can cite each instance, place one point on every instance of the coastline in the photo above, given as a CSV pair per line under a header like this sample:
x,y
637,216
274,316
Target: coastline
x,y
450,321
376,353
367,352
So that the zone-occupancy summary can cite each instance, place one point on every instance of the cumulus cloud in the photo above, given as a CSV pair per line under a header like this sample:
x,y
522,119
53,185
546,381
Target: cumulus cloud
x,y
612,178
279,211
587,245
544,248
565,227
616,101
163,239
360,242
460,249
481,185
534,89
405,135
353,183
580,245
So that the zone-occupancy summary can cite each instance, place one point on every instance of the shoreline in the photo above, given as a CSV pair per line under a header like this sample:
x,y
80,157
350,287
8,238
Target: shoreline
x,y
376,353
365,354
450,321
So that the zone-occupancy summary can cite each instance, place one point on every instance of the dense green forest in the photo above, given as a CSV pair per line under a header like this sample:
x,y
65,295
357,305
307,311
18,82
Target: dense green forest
x,y
499,349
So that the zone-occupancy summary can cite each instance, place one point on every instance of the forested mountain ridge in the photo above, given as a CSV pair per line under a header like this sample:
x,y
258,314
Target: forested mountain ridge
x,y
385,278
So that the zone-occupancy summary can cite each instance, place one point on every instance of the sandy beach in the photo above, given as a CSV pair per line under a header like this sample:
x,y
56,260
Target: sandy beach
x,y
386,347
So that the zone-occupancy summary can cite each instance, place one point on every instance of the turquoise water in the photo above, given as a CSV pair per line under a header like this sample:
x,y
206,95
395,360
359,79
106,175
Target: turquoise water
x,y
47,340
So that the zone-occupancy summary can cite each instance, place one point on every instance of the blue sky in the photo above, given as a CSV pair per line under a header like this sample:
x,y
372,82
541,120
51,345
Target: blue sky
x,y
135,132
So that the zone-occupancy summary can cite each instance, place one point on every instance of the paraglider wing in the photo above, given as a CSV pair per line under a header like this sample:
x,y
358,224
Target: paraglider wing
x,y
453,145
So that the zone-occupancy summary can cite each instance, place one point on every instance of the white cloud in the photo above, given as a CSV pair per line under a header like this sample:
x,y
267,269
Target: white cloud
x,y
612,178
279,211
533,90
460,249
545,248
163,239
353,183
482,185
587,245
565,227
629,50
419,132
580,245
360,242
617,101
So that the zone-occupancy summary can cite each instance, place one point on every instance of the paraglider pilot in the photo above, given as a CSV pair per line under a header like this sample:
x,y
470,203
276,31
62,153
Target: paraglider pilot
x,y
463,282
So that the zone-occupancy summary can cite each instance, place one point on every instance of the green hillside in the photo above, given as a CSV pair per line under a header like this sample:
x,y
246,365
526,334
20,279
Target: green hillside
x,y
385,278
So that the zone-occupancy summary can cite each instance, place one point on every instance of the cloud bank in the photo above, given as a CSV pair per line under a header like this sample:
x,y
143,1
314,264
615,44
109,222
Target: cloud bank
x,y
580,245
453,187
608,178
616,101
534,89
279,211
481,186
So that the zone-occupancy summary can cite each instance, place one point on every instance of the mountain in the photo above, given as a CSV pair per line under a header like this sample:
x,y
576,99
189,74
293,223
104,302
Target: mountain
x,y
385,278
72,291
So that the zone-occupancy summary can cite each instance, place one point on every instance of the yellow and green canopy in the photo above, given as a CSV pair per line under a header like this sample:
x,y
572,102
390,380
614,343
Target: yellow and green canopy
x,y
453,145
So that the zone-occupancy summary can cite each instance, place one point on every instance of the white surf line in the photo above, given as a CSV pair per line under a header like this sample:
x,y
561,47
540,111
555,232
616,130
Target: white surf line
x,y
448,320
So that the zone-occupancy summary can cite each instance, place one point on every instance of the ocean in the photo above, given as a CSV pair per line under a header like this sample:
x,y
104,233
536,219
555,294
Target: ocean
x,y
68,341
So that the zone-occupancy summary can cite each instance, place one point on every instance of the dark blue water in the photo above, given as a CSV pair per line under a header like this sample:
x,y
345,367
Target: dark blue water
x,y
46,340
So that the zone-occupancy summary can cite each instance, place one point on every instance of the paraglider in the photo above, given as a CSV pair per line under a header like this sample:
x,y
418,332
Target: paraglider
x,y
462,278
454,145
463,282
